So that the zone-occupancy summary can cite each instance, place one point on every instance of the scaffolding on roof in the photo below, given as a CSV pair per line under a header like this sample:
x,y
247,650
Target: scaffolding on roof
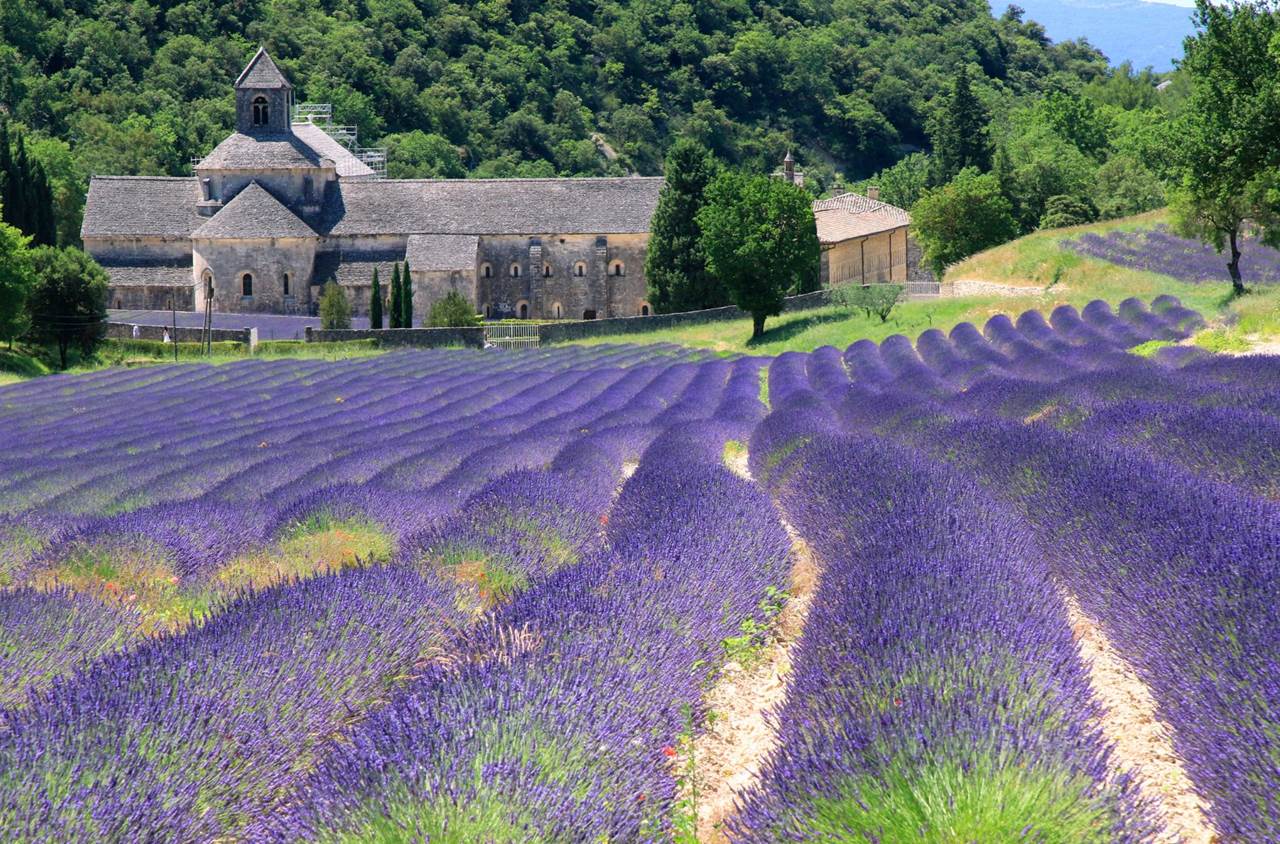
x,y
321,116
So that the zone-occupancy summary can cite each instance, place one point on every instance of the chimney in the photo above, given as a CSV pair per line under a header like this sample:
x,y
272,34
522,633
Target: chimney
x,y
873,193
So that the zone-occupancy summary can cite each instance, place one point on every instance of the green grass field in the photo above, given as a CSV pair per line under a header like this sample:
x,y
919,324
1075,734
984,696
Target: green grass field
x,y
1050,274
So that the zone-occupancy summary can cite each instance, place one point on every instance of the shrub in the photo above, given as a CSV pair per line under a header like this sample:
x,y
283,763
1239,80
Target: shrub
x,y
453,311
878,299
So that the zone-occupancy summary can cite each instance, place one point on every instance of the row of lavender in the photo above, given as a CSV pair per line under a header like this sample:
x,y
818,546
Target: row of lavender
x,y
197,535
937,693
203,734
1147,491
1159,250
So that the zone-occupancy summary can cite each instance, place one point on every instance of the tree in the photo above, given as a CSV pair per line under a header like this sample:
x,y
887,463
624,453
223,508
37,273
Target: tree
x,y
397,310
959,132
335,310
903,183
69,302
406,297
1066,210
675,266
1078,121
965,216
761,240
453,311
17,277
1223,160
375,302
1126,186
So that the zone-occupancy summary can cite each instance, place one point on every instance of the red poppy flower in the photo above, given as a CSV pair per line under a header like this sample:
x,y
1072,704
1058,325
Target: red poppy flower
x,y
669,751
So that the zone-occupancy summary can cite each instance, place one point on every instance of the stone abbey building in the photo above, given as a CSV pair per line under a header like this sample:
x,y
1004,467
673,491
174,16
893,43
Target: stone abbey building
x,y
280,208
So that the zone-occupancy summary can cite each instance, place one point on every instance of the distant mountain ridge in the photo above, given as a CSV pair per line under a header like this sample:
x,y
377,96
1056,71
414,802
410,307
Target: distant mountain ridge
x,y
1144,33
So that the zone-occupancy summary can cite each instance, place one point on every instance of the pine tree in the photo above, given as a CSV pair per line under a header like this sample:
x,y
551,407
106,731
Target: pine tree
x,y
959,133
406,297
375,302
396,308
676,266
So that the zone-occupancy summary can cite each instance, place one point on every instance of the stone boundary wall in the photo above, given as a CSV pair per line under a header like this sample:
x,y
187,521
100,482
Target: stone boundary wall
x,y
559,332
426,338
124,331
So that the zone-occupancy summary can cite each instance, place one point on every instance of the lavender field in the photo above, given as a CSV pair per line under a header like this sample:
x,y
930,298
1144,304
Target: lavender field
x,y
1160,251
478,596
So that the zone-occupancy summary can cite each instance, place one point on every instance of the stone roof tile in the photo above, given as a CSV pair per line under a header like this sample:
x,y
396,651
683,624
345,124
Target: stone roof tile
x,y
492,206
141,206
253,213
439,252
262,72
325,146
281,150
150,273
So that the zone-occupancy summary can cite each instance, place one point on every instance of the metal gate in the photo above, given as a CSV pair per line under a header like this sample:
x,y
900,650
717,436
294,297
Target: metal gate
x,y
508,335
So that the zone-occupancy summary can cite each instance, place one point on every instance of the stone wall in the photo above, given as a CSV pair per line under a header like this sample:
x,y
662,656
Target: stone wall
x,y
420,337
267,261
549,280
150,297
124,331
559,332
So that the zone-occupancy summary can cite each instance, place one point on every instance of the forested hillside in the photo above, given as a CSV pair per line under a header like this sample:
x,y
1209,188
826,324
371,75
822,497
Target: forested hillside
x,y
514,87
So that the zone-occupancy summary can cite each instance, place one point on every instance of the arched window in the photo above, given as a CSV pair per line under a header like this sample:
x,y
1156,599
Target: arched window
x,y
119,304
557,310
260,115
486,270
488,312
246,285
286,284
644,309
580,269
524,310
515,270
546,271
617,268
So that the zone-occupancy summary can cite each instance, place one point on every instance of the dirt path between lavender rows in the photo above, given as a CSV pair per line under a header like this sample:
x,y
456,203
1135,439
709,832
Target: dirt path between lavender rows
x,y
729,754
1142,741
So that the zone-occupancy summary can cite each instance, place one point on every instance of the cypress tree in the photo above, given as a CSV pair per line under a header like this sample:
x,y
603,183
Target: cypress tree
x,y
22,191
675,265
959,132
375,302
396,309
45,229
406,297
8,178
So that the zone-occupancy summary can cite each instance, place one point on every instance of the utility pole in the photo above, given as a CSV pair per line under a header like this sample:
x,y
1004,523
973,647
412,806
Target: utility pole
x,y
173,305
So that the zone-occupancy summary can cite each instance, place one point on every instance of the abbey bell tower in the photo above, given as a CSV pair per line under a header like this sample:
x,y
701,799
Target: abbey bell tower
x,y
264,98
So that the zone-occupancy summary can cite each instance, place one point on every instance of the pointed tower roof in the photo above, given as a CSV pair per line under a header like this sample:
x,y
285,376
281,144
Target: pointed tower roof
x,y
262,72
253,213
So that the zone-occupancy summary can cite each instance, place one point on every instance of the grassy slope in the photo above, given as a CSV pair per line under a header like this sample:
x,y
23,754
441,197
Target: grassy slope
x,y
1030,262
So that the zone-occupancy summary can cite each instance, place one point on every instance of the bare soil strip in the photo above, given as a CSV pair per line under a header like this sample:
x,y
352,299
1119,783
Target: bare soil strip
x,y
1142,741
729,754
